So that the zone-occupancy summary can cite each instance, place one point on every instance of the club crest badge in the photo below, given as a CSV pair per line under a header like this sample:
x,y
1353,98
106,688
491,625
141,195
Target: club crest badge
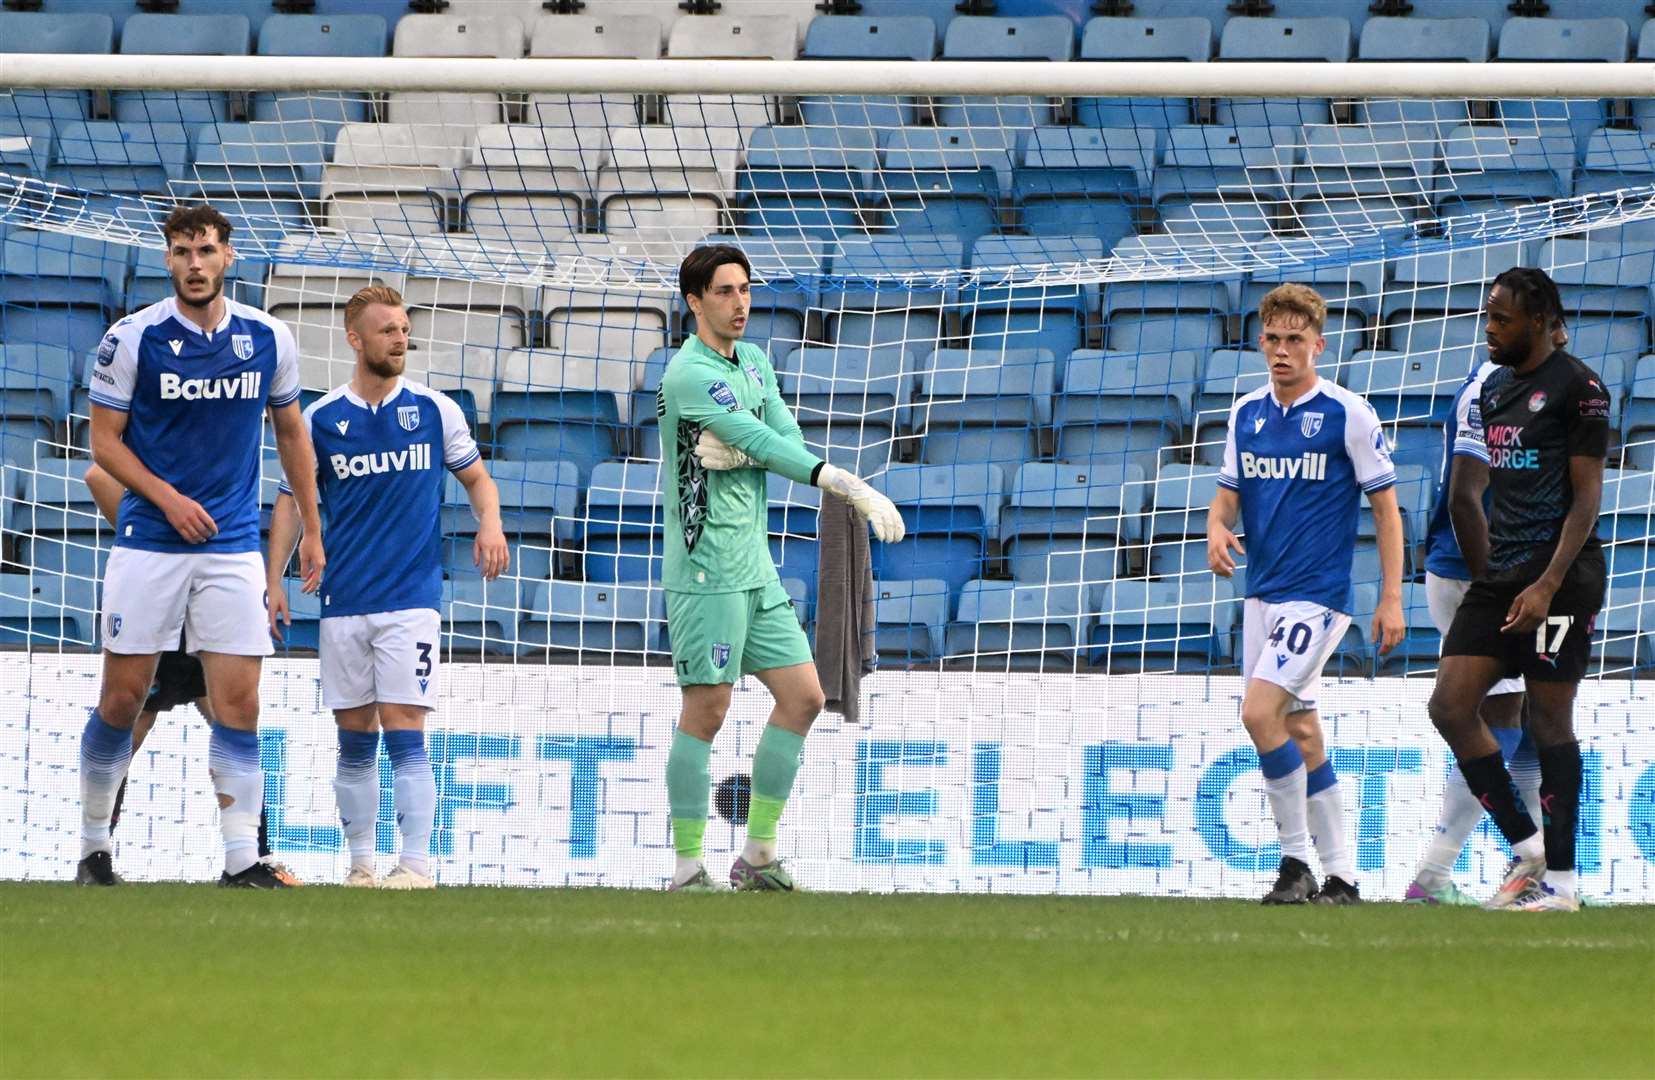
x,y
242,346
114,626
1537,401
408,417
1309,424
721,654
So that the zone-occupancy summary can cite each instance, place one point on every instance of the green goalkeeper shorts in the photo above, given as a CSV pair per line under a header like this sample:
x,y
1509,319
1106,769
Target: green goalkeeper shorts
x,y
719,637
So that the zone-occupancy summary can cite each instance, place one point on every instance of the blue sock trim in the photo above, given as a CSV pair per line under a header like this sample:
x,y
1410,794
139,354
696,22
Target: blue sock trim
x,y
232,749
1509,739
104,750
1320,779
358,749
1277,763
405,748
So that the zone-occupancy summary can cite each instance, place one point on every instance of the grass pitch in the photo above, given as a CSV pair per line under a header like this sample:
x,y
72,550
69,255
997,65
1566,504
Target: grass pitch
x,y
188,980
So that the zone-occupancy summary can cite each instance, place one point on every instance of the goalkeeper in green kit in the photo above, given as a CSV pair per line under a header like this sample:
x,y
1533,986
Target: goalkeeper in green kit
x,y
723,426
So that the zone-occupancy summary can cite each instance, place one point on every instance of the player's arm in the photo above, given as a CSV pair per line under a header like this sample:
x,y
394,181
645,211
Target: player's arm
x,y
489,553
1586,441
110,452
1466,485
1388,623
713,453
284,536
299,466
106,492
1225,508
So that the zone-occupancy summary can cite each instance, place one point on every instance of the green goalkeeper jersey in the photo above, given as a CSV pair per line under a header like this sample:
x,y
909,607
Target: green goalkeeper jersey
x,y
718,522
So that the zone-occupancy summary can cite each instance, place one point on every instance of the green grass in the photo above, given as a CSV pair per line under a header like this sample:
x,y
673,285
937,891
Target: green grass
x,y
193,981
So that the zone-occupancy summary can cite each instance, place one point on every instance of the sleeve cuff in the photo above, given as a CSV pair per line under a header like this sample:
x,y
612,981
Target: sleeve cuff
x,y
111,403
1229,482
465,463
1471,450
1379,484
279,402
283,489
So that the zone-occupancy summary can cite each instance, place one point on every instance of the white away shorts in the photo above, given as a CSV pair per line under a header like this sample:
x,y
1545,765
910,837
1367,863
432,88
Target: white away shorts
x,y
149,596
389,657
1443,596
1288,643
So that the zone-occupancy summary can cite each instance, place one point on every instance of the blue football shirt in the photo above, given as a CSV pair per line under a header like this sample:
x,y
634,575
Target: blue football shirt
x,y
1300,470
1442,548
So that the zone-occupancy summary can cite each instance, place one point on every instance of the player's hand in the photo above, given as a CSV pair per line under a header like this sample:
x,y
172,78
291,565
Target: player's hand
x,y
489,553
275,607
1219,542
190,519
715,454
1530,609
874,508
311,561
1389,625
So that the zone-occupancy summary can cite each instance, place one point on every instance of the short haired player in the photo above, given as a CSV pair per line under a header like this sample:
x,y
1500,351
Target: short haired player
x,y
179,394
723,426
178,681
383,442
1450,567
1544,422
1299,453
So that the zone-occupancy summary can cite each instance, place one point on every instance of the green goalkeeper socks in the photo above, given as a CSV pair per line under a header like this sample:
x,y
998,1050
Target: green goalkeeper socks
x,y
775,763
688,780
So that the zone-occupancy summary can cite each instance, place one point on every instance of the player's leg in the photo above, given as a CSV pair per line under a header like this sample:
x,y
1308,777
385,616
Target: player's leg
x,y
140,731
1264,715
1324,809
707,635
405,672
347,668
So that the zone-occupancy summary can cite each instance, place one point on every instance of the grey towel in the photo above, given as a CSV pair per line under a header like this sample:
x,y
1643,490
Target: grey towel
x,y
845,647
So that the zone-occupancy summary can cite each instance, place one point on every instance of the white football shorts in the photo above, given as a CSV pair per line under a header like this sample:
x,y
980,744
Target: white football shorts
x,y
1288,643
388,657
1443,596
150,596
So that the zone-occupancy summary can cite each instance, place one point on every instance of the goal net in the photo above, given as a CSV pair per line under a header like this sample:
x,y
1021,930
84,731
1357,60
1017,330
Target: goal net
x,y
1023,318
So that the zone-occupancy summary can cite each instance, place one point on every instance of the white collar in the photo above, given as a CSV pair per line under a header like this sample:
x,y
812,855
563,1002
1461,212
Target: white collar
x,y
1315,388
351,396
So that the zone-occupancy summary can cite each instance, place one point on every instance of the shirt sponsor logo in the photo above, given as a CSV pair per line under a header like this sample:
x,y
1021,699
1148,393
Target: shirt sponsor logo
x,y
242,346
245,387
1309,424
721,394
1594,408
1506,450
1537,401
414,458
1302,467
408,417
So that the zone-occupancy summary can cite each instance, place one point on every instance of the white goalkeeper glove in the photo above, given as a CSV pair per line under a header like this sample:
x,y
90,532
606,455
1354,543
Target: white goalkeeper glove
x,y
715,454
875,508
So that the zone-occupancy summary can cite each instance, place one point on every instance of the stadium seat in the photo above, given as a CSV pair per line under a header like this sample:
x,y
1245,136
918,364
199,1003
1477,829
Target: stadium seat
x,y
1605,288
393,179
483,616
911,617
46,609
52,32
1067,523
262,175
592,617
1224,183
1004,625
57,502
1397,39
114,161
1490,168
728,118
1352,293
783,293
342,34
1183,625
179,35
990,406
27,144
1643,109
1181,496
646,434
665,187
806,181
450,310
1084,180
620,36
588,320
1405,388
1230,375
307,289
538,505
1113,411
582,426
1187,39
865,37
1278,40
792,528
944,180
1163,317
952,513
988,37
1434,302
625,519
30,408
59,289
867,315
1053,316
847,402
1357,179
1625,635
1421,645
531,370
432,35
1612,160
529,185
1638,415
1526,39
1631,564
1628,513
52,367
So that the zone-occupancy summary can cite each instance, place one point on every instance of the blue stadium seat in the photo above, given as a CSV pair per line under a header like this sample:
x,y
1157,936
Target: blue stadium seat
x,y
1631,564
1187,39
59,289
484,616
52,32
987,37
944,180
1113,411
80,555
625,522
1224,183
1067,523
1435,302
1612,161
665,186
580,426
1052,316
30,408
984,406
865,37
1183,625
1084,180
1002,625
792,528
121,159
180,35
27,145
783,293
1628,513
1605,287
1643,109
646,434
847,402
1163,317
1421,645
866,314
1638,415
1397,39
1360,179
1490,168
1230,375
1352,293
40,608
54,367
1279,40
809,181
952,513
1405,388
1182,494
537,499
591,617
1532,40
319,35
910,617
1625,637
57,501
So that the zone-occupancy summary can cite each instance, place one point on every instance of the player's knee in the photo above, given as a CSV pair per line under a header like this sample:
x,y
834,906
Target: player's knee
x,y
808,705
237,708
119,706
1447,715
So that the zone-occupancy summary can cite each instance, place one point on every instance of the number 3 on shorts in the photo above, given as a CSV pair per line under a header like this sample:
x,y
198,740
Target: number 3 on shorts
x,y
1559,627
422,670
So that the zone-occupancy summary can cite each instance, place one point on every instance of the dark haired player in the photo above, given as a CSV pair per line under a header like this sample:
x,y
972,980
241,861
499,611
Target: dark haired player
x,y
1545,423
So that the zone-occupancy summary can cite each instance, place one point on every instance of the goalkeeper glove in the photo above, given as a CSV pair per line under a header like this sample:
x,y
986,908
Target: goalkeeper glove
x,y
873,507
715,454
